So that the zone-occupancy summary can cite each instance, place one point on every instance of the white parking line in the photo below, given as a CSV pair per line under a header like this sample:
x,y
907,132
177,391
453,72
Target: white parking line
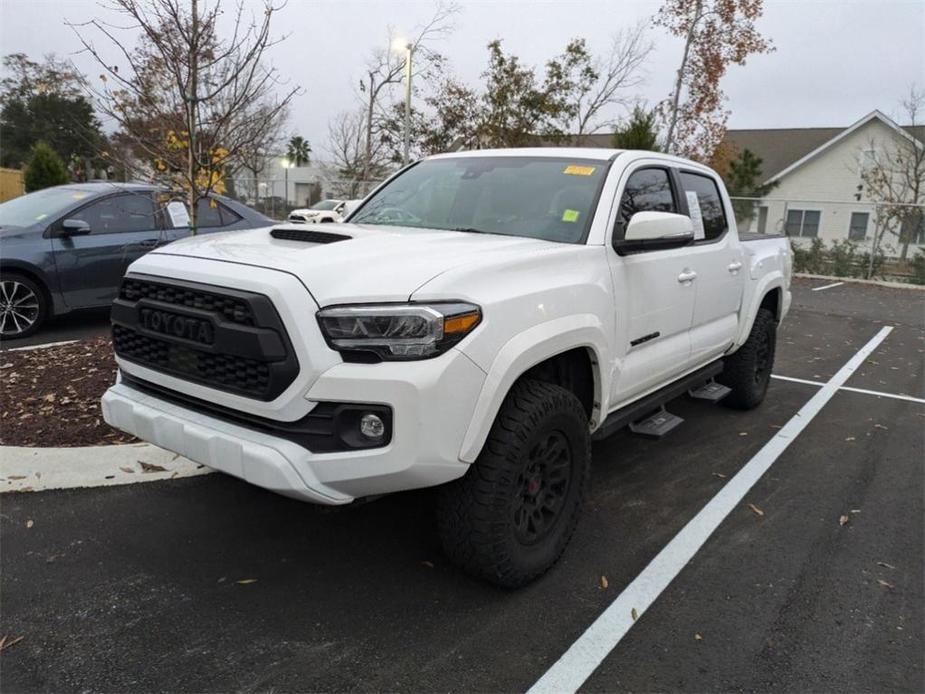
x,y
827,286
851,389
581,659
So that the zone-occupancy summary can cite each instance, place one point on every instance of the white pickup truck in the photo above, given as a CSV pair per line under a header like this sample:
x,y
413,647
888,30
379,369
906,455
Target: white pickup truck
x,y
474,324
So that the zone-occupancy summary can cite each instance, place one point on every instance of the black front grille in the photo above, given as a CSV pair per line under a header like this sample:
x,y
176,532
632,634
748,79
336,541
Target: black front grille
x,y
226,339
233,309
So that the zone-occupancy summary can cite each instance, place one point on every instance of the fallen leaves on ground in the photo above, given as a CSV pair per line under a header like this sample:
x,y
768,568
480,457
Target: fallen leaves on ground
x,y
720,475
885,565
6,641
698,637
246,581
757,511
885,584
634,614
843,520
51,396
604,583
151,467
30,523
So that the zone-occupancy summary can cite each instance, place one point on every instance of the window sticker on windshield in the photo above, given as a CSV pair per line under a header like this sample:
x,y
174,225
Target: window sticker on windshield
x,y
574,170
570,215
693,205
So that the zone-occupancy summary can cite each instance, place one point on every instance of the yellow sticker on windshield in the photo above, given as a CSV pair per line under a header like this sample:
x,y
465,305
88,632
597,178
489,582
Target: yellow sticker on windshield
x,y
574,170
79,196
571,216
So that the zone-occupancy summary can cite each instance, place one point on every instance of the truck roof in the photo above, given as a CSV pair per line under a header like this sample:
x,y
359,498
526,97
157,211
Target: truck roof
x,y
586,153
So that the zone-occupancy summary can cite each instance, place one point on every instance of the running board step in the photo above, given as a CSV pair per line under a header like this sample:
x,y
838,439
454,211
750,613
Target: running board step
x,y
711,391
656,425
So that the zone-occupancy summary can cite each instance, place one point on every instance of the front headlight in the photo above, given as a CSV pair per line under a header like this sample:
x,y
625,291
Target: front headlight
x,y
397,332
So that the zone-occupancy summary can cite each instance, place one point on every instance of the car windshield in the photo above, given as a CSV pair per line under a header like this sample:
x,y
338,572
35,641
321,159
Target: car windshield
x,y
40,206
325,205
547,198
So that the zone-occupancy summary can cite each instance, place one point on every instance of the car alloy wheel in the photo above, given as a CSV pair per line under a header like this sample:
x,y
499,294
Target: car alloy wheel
x,y
19,308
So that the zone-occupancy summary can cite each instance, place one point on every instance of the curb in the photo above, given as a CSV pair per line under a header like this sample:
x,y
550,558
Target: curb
x,y
878,283
24,469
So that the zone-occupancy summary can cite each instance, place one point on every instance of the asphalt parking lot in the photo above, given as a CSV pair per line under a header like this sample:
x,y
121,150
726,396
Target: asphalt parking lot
x,y
814,582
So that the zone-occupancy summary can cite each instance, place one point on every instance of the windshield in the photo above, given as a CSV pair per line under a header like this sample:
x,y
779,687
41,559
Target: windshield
x,y
40,206
547,198
325,205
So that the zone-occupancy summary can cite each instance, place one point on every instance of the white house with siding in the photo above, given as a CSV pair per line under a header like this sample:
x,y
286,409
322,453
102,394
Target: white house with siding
x,y
819,190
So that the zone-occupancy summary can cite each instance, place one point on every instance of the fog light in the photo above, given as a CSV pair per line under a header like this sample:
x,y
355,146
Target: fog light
x,y
372,426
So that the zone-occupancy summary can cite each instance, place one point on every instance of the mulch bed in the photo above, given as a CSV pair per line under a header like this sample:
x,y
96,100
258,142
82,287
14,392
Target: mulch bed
x,y
51,396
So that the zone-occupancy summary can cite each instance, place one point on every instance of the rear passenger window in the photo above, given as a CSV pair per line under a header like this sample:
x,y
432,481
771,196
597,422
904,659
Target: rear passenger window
x,y
647,190
711,204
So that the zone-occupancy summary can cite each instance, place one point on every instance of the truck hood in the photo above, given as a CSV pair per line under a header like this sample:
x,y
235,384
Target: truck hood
x,y
376,263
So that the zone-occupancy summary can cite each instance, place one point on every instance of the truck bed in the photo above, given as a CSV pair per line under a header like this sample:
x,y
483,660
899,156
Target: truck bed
x,y
746,236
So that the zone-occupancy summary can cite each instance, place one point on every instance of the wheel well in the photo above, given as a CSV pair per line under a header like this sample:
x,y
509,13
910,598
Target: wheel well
x,y
16,270
573,370
771,301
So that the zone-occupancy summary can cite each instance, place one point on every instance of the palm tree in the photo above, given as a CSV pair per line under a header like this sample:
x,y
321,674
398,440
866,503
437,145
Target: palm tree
x,y
298,151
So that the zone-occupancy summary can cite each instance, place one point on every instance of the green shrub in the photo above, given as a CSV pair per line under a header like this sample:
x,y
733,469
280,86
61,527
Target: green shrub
x,y
45,169
843,256
918,268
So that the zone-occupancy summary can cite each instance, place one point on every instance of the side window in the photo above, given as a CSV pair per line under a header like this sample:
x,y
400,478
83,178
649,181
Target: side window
x,y
120,213
211,213
647,190
711,204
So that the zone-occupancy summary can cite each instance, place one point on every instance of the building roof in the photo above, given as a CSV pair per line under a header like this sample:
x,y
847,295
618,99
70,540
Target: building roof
x,y
783,149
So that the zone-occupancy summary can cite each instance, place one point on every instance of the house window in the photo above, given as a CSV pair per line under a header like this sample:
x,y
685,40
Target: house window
x,y
913,226
857,228
803,223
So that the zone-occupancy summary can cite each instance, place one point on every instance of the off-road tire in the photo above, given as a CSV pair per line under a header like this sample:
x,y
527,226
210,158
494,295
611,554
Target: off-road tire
x,y
748,370
483,518
23,287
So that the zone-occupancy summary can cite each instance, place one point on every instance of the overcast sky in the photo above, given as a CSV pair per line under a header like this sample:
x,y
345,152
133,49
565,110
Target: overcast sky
x,y
836,60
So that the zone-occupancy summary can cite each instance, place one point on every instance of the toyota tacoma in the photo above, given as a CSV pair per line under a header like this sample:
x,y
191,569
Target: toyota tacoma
x,y
475,323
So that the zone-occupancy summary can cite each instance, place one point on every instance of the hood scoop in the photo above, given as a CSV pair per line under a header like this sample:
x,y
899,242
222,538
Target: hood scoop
x,y
308,235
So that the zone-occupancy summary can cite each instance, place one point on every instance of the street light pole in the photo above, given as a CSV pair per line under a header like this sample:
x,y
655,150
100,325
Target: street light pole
x,y
285,163
409,49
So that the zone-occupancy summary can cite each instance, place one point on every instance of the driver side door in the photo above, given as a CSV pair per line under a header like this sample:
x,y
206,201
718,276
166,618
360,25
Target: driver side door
x,y
123,227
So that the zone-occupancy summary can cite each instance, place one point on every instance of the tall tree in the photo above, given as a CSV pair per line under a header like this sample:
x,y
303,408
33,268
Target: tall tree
x,y
894,176
44,102
190,101
595,84
744,180
639,132
298,151
716,34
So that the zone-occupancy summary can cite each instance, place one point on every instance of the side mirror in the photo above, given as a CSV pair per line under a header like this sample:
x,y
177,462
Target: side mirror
x,y
649,231
74,227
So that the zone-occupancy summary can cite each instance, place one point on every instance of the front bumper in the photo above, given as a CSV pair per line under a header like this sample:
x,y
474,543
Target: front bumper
x,y
432,403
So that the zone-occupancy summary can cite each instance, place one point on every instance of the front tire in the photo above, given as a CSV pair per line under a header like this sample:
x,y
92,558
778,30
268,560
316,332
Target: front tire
x,y
23,306
748,370
510,517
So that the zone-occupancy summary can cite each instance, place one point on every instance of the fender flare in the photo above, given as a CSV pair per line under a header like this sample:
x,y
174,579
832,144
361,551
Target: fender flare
x,y
525,350
771,281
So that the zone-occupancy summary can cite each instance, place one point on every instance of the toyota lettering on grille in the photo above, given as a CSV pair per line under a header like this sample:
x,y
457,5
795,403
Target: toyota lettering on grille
x,y
185,327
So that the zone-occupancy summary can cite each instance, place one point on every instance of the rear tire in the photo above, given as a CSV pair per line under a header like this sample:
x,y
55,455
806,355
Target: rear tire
x,y
23,306
510,517
748,370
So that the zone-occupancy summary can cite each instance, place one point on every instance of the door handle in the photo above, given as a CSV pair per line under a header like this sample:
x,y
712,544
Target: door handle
x,y
687,276
734,267
150,243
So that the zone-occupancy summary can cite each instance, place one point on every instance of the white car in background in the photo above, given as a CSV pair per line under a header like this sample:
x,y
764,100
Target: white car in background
x,y
324,211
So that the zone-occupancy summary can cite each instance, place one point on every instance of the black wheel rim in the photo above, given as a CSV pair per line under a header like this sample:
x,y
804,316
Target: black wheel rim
x,y
542,487
19,308
763,359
